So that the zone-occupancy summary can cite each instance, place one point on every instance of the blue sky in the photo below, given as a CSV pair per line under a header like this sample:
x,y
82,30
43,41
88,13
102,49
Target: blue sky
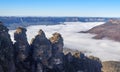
x,y
91,8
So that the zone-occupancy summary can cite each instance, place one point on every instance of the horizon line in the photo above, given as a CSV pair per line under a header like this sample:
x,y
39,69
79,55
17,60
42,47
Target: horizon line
x,y
64,16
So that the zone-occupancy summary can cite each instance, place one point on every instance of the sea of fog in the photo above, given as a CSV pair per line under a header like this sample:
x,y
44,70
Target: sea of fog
x,y
104,49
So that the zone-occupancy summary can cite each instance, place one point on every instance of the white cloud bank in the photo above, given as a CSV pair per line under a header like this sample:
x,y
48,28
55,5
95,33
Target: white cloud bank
x,y
104,49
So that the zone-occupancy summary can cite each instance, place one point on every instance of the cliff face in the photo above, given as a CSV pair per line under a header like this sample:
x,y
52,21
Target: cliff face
x,y
14,22
42,55
111,66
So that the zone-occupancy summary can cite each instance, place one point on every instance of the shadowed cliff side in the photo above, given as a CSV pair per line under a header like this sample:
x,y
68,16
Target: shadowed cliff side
x,y
6,51
57,59
21,50
42,52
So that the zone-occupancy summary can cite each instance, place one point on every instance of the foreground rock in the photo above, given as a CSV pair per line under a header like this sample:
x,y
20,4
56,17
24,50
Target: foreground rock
x,y
111,66
6,51
109,30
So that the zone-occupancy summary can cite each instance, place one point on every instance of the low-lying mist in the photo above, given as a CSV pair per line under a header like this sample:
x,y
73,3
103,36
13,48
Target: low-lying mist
x,y
104,49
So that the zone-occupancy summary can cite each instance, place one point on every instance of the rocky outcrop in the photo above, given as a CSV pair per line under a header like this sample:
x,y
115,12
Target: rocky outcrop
x,y
6,51
42,52
42,55
110,30
57,59
111,66
95,63
80,63
57,43
21,50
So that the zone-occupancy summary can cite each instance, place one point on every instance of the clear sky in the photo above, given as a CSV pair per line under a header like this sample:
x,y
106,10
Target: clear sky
x,y
94,8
